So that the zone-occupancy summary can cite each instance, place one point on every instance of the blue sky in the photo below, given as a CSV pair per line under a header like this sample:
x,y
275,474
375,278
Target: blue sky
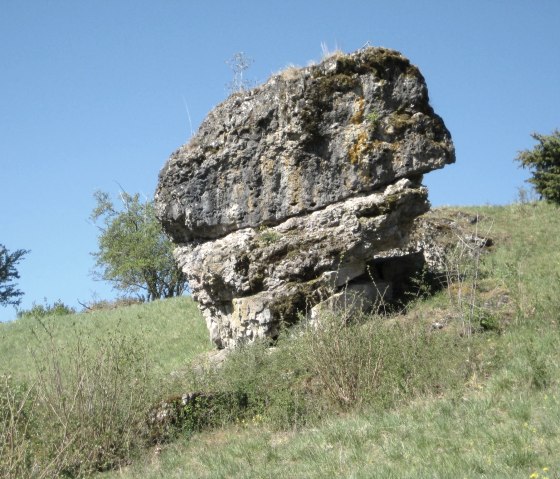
x,y
94,94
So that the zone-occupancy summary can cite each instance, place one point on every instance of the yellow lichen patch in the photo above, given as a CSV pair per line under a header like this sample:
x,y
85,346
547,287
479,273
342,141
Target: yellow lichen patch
x,y
400,120
360,147
358,116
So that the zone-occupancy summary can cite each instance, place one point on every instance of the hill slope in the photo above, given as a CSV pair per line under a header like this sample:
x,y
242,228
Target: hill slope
x,y
172,332
464,383
502,421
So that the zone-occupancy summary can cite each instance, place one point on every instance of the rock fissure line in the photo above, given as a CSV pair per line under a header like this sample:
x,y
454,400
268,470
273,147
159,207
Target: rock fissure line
x,y
414,180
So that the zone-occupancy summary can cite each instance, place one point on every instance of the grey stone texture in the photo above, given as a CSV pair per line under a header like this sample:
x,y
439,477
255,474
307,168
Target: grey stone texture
x,y
300,189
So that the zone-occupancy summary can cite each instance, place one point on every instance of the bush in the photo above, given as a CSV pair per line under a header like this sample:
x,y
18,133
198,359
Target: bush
x,y
192,412
544,161
335,365
58,308
376,361
16,412
94,398
270,381
85,412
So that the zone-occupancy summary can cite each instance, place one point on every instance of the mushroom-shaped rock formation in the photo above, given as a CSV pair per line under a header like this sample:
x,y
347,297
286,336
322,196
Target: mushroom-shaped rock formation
x,y
302,190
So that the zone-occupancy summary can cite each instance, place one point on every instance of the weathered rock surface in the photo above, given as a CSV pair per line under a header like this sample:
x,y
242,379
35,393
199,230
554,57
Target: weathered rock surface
x,y
302,188
446,238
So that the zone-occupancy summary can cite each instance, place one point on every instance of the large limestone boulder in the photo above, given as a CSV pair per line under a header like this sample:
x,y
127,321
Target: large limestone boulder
x,y
302,189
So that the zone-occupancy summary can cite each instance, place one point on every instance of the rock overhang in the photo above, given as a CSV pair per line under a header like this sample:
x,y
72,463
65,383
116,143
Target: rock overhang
x,y
301,141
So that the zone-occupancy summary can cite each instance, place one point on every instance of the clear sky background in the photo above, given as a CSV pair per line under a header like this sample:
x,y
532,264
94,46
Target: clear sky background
x,y
97,94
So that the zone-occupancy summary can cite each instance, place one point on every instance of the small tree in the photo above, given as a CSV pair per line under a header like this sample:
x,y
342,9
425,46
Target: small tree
x,y
239,63
544,161
9,294
134,253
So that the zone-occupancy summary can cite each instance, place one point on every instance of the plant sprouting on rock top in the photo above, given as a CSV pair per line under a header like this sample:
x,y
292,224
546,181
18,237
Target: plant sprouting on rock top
x,y
134,254
372,118
544,161
268,236
239,63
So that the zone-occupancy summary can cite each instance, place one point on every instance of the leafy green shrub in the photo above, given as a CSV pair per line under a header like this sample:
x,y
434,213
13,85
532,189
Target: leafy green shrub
x,y
488,321
207,410
58,308
192,412
271,381
544,161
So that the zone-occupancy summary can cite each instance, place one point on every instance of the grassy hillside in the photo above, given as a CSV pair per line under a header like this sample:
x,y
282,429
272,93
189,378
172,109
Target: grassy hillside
x,y
476,396
171,331
501,419
75,390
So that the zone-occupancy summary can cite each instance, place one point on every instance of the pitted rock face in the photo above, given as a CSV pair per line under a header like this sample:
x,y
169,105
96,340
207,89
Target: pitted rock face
x,y
282,186
303,140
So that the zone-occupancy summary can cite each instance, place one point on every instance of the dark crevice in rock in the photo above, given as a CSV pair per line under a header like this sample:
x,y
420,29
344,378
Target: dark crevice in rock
x,y
399,272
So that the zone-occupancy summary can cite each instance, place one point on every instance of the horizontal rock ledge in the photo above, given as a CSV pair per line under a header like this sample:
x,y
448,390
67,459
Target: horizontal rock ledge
x,y
251,280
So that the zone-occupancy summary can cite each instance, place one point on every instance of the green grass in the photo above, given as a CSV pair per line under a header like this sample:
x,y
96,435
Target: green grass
x,y
476,435
447,404
502,420
172,332
75,390
504,426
